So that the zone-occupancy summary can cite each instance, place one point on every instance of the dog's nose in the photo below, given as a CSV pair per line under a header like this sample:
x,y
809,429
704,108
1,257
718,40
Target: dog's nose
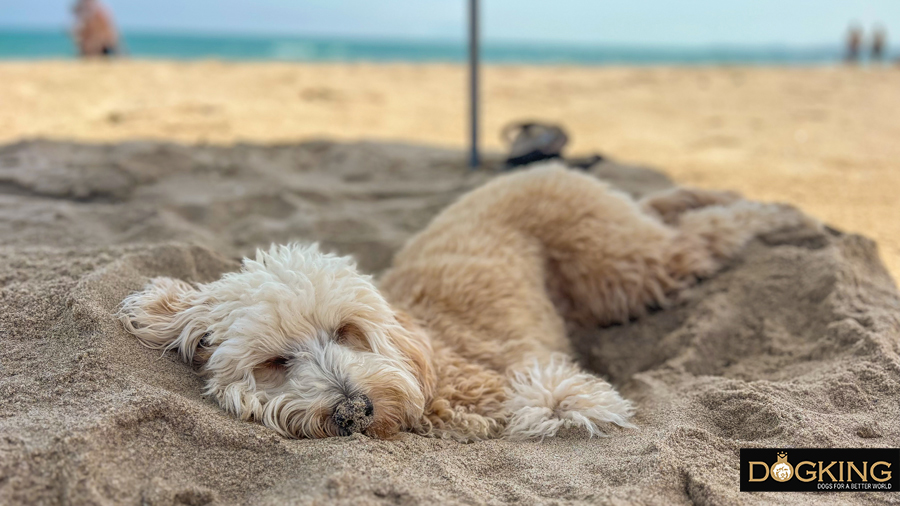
x,y
354,414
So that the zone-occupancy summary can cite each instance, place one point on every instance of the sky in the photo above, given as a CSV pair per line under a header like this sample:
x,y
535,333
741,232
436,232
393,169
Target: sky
x,y
634,22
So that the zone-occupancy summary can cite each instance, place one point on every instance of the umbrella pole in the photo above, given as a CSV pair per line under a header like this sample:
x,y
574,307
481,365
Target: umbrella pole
x,y
473,84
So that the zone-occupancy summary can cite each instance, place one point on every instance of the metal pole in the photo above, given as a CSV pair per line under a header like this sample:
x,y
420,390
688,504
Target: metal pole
x,y
473,83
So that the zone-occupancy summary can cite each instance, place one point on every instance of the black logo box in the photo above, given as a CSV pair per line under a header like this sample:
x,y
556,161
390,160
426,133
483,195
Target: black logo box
x,y
796,456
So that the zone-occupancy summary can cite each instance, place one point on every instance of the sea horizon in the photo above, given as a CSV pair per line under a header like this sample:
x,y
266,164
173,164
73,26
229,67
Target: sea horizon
x,y
42,44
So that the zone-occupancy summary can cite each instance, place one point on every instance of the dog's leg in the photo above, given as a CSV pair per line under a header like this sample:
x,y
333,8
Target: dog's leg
x,y
608,261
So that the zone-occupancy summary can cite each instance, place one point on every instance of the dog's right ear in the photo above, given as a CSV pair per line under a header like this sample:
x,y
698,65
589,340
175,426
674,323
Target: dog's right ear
x,y
167,314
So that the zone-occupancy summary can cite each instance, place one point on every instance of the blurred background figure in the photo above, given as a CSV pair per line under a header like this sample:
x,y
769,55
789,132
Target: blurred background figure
x,y
94,32
854,41
879,40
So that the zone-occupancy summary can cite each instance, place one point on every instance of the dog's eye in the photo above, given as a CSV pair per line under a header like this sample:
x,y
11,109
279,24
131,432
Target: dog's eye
x,y
276,363
351,336
272,372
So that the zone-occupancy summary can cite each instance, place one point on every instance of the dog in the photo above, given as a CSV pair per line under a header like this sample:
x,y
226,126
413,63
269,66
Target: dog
x,y
466,335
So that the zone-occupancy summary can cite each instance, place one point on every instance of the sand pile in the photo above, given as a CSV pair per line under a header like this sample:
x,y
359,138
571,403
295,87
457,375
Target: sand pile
x,y
796,344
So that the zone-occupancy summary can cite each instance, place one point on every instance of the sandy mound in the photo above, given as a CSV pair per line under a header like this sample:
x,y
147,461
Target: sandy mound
x,y
796,344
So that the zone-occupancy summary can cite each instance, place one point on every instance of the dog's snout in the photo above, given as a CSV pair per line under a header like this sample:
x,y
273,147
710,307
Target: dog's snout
x,y
354,414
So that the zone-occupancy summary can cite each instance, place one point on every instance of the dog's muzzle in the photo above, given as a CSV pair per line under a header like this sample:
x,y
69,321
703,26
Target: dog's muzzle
x,y
353,414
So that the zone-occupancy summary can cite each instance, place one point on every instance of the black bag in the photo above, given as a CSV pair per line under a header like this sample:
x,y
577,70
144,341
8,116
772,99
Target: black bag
x,y
533,142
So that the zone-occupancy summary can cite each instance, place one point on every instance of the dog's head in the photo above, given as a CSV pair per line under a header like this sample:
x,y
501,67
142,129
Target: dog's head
x,y
297,340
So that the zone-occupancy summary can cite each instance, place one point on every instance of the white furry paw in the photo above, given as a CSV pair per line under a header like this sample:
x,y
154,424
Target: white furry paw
x,y
547,397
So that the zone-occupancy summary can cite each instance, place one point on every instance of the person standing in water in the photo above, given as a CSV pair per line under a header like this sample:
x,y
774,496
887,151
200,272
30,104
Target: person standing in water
x,y
94,33
854,42
879,39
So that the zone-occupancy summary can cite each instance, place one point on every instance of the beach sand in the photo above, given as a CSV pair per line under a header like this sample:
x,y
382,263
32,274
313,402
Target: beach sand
x,y
824,139
795,344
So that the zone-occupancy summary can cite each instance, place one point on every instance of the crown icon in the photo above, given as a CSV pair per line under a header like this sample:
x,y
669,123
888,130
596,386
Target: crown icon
x,y
782,455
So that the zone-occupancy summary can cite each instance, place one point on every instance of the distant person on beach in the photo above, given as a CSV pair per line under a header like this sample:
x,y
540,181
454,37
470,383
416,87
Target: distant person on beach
x,y
854,42
94,33
879,38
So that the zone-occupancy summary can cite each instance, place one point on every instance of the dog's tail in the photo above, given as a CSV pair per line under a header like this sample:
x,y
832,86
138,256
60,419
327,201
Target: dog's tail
x,y
167,314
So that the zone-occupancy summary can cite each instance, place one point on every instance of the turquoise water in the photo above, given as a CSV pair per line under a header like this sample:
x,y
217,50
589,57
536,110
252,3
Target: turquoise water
x,y
27,45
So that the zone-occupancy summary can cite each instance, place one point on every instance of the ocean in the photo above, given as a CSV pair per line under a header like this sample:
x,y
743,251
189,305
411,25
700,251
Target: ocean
x,y
35,44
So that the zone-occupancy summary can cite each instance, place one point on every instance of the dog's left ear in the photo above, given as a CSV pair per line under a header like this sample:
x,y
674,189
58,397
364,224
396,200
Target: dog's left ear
x,y
415,344
168,314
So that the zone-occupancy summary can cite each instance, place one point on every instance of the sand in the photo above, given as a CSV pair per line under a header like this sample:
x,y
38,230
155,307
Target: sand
x,y
824,139
795,344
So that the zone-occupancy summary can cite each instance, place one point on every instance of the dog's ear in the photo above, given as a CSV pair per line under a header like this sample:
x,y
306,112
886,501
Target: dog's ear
x,y
414,343
168,314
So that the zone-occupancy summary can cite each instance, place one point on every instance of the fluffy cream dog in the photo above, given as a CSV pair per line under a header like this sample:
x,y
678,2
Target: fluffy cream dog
x,y
466,337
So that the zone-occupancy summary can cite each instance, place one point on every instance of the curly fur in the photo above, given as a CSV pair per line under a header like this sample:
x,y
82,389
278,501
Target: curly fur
x,y
468,340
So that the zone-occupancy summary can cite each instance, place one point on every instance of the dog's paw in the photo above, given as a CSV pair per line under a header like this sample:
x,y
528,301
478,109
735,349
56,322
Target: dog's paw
x,y
547,397
669,205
